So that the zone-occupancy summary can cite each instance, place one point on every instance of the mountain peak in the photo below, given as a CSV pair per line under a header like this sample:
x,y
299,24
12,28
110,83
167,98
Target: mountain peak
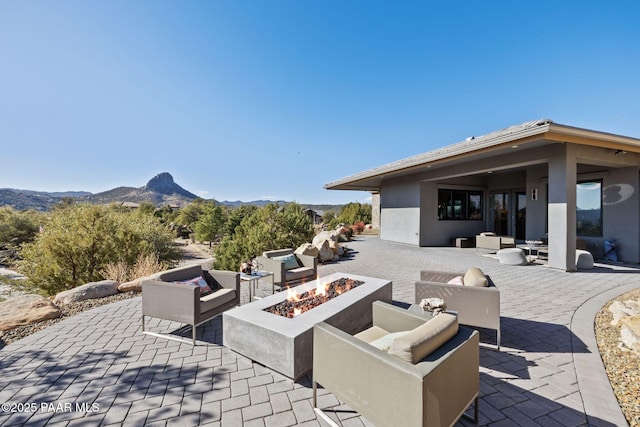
x,y
163,183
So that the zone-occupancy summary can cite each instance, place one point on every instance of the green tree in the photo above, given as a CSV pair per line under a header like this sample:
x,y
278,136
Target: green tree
x,y
270,227
236,216
78,241
352,213
190,214
211,223
18,227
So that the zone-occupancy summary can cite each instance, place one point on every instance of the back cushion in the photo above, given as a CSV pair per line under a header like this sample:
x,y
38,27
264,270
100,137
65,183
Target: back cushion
x,y
290,261
420,342
475,277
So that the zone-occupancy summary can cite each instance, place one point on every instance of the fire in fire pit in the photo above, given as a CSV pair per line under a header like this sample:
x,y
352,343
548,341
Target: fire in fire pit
x,y
296,304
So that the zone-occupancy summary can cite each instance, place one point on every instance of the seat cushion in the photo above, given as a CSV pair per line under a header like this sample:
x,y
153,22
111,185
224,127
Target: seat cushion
x,y
299,273
384,343
475,277
216,299
420,342
371,334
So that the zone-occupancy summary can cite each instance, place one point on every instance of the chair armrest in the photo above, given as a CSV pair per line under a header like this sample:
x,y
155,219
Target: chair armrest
x,y
438,276
170,301
394,319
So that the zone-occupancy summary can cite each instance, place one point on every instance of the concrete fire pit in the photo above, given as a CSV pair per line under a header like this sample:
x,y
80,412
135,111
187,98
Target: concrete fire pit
x,y
286,344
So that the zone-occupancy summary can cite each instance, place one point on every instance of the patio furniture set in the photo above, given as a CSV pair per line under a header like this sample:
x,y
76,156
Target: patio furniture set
x,y
392,365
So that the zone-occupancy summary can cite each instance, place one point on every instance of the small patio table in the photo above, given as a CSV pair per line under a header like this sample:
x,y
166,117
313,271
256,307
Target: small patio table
x,y
254,277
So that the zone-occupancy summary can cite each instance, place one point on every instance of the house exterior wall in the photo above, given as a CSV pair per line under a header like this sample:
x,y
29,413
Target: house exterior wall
x,y
620,214
400,211
408,205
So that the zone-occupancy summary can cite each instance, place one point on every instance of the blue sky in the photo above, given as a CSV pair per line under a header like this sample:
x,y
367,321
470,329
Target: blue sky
x,y
245,100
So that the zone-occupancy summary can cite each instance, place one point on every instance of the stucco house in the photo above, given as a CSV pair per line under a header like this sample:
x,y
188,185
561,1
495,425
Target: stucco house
x,y
535,180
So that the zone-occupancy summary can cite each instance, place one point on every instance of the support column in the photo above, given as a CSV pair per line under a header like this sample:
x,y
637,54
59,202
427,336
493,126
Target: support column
x,y
562,209
375,210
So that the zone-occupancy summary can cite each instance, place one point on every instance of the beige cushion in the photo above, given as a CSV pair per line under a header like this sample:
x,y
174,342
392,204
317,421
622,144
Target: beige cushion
x,y
371,334
216,299
475,277
458,280
420,342
299,273
384,343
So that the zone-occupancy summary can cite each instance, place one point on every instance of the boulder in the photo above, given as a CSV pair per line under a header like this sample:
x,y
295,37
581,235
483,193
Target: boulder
x,y
325,235
325,252
132,286
620,310
336,248
630,333
26,309
307,249
91,290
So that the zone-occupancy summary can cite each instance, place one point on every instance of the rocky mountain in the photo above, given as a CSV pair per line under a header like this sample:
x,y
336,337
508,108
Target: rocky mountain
x,y
160,190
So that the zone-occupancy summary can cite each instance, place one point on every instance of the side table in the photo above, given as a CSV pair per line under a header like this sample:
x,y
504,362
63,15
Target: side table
x,y
254,278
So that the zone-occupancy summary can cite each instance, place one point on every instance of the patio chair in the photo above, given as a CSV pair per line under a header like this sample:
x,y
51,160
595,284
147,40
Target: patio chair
x,y
489,240
176,295
288,267
427,377
473,295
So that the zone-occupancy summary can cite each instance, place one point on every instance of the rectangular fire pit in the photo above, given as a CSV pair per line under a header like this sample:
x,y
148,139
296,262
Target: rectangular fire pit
x,y
286,344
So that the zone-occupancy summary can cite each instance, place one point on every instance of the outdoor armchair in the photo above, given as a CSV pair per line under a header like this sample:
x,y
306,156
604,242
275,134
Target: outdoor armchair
x,y
489,240
475,297
288,266
166,295
390,391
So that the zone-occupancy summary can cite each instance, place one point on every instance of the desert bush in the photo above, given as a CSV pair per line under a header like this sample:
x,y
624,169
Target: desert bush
x,y
269,227
146,265
18,227
79,241
210,225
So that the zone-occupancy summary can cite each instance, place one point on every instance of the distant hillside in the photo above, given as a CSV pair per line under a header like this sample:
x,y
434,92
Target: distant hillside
x,y
160,190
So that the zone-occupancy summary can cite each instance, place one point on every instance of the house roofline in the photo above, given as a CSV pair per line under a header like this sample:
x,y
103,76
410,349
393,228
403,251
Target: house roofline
x,y
523,133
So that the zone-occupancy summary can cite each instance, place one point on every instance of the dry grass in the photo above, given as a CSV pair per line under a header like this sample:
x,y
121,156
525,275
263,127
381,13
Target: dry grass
x,y
145,265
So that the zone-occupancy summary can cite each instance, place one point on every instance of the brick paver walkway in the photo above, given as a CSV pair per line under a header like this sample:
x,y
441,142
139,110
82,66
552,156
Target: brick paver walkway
x,y
97,368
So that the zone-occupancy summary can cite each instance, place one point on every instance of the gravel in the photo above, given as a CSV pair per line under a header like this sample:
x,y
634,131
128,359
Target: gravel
x,y
622,366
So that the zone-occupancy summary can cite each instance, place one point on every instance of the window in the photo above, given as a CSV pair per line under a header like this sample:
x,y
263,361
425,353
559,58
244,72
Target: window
x,y
459,205
589,208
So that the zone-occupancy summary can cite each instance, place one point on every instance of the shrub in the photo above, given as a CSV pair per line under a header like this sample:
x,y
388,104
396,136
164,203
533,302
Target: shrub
x,y
78,242
269,227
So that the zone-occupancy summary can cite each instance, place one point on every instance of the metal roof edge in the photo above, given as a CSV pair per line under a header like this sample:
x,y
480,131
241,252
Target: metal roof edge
x,y
467,146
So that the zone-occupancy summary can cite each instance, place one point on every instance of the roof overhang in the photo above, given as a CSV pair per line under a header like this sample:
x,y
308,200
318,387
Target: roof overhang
x,y
527,135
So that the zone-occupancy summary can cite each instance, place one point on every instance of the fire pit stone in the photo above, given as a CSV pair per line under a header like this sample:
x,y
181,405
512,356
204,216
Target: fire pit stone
x,y
286,344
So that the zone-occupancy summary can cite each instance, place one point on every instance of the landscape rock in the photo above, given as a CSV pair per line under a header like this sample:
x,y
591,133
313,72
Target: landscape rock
x,y
325,252
26,309
620,309
133,285
630,333
91,290
307,249
325,235
336,248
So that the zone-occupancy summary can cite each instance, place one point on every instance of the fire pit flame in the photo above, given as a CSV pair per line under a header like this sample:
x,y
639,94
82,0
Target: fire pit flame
x,y
296,304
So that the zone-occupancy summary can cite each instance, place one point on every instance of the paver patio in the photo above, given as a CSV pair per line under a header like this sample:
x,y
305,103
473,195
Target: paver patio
x,y
547,373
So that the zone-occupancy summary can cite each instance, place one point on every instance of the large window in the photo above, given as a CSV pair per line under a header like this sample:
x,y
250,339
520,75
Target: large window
x,y
589,208
459,205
